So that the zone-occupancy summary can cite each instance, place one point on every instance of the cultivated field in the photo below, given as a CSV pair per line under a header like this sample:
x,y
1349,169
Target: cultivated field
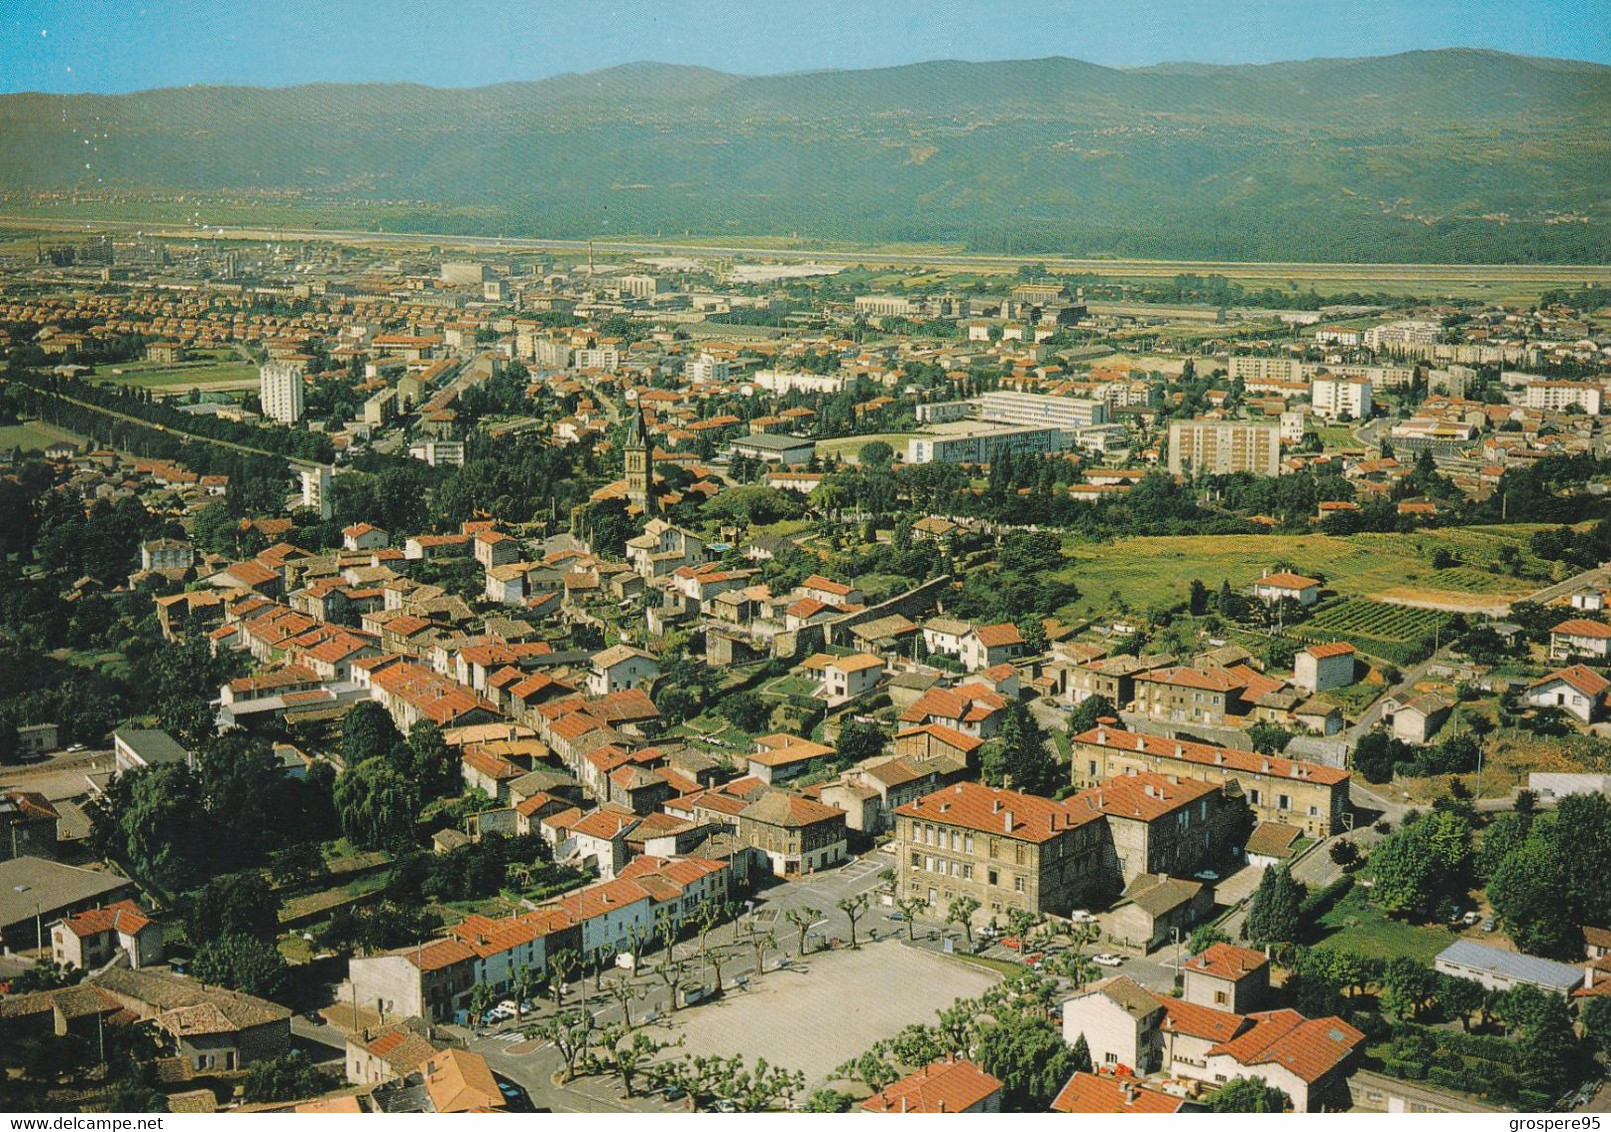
x,y
1375,627
1156,573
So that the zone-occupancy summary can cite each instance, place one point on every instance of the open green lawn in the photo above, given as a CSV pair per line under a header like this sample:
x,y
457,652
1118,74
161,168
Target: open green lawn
x,y
1354,924
1335,437
221,366
1156,572
846,447
34,436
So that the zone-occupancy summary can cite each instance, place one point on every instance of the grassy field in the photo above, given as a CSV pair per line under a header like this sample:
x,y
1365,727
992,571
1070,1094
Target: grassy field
x,y
1354,924
846,447
215,369
1337,437
34,436
1156,573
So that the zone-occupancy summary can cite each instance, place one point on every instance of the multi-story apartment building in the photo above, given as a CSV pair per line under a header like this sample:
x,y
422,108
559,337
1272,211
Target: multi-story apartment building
x,y
1341,398
280,391
706,368
880,306
978,442
1558,396
1004,406
1304,794
1219,448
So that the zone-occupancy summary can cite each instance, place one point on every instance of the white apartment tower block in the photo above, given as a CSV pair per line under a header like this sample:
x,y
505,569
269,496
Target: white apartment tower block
x,y
280,390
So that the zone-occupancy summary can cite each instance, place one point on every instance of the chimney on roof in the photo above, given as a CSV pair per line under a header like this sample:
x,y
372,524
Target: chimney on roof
x,y
1179,751
1148,789
995,805
1588,976
1266,766
1102,735
1219,757
1006,821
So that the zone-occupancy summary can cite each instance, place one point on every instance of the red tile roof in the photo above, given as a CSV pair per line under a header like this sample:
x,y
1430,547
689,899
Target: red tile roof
x,y
1334,648
1227,961
1582,627
944,1086
1024,817
1308,1048
1205,754
1091,1093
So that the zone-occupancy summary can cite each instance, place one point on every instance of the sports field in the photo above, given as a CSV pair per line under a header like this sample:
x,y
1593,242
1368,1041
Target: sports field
x,y
217,370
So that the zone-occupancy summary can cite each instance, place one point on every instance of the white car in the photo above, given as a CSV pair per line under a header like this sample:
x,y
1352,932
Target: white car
x,y
1081,916
1107,959
1206,874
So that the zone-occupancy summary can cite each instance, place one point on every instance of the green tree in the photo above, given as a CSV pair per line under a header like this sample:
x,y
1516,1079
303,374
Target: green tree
x,y
433,766
1460,998
829,1100
858,742
242,963
1089,710
1532,898
1407,986
237,904
367,732
747,711
377,806
961,912
1205,936
1595,1014
802,918
1080,1056
291,1076
854,907
1029,1057
1272,917
1248,1094
1017,757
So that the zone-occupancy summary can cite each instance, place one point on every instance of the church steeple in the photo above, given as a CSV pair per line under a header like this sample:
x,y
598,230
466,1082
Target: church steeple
x,y
639,473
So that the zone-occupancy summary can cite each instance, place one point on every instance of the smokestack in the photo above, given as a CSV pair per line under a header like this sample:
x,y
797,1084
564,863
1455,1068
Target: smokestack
x,y
1006,821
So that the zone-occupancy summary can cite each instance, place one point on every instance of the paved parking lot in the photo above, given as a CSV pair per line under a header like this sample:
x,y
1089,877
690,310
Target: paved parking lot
x,y
829,1008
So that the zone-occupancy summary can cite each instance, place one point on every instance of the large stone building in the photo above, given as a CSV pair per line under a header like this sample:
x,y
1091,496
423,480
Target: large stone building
x,y
1308,795
1009,850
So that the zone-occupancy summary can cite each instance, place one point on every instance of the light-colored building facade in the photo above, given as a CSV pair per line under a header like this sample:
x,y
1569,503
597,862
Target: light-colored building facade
x,y
1221,448
280,391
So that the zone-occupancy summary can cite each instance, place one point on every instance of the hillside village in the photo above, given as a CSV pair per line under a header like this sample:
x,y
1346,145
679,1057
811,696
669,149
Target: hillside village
x,y
530,681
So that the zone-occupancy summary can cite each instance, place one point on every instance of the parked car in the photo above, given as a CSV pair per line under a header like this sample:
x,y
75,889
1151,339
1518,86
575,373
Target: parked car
x,y
1081,916
898,917
1206,874
1107,959
1488,925
1470,919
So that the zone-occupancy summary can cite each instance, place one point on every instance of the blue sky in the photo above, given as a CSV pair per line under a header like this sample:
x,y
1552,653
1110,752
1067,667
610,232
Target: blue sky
x,y
96,45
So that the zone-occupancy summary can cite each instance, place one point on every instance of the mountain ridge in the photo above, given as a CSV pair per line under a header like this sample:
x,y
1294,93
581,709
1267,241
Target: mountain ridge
x,y
1459,155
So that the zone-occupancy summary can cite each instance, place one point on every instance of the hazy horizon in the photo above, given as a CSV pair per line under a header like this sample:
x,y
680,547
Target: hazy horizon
x,y
66,48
